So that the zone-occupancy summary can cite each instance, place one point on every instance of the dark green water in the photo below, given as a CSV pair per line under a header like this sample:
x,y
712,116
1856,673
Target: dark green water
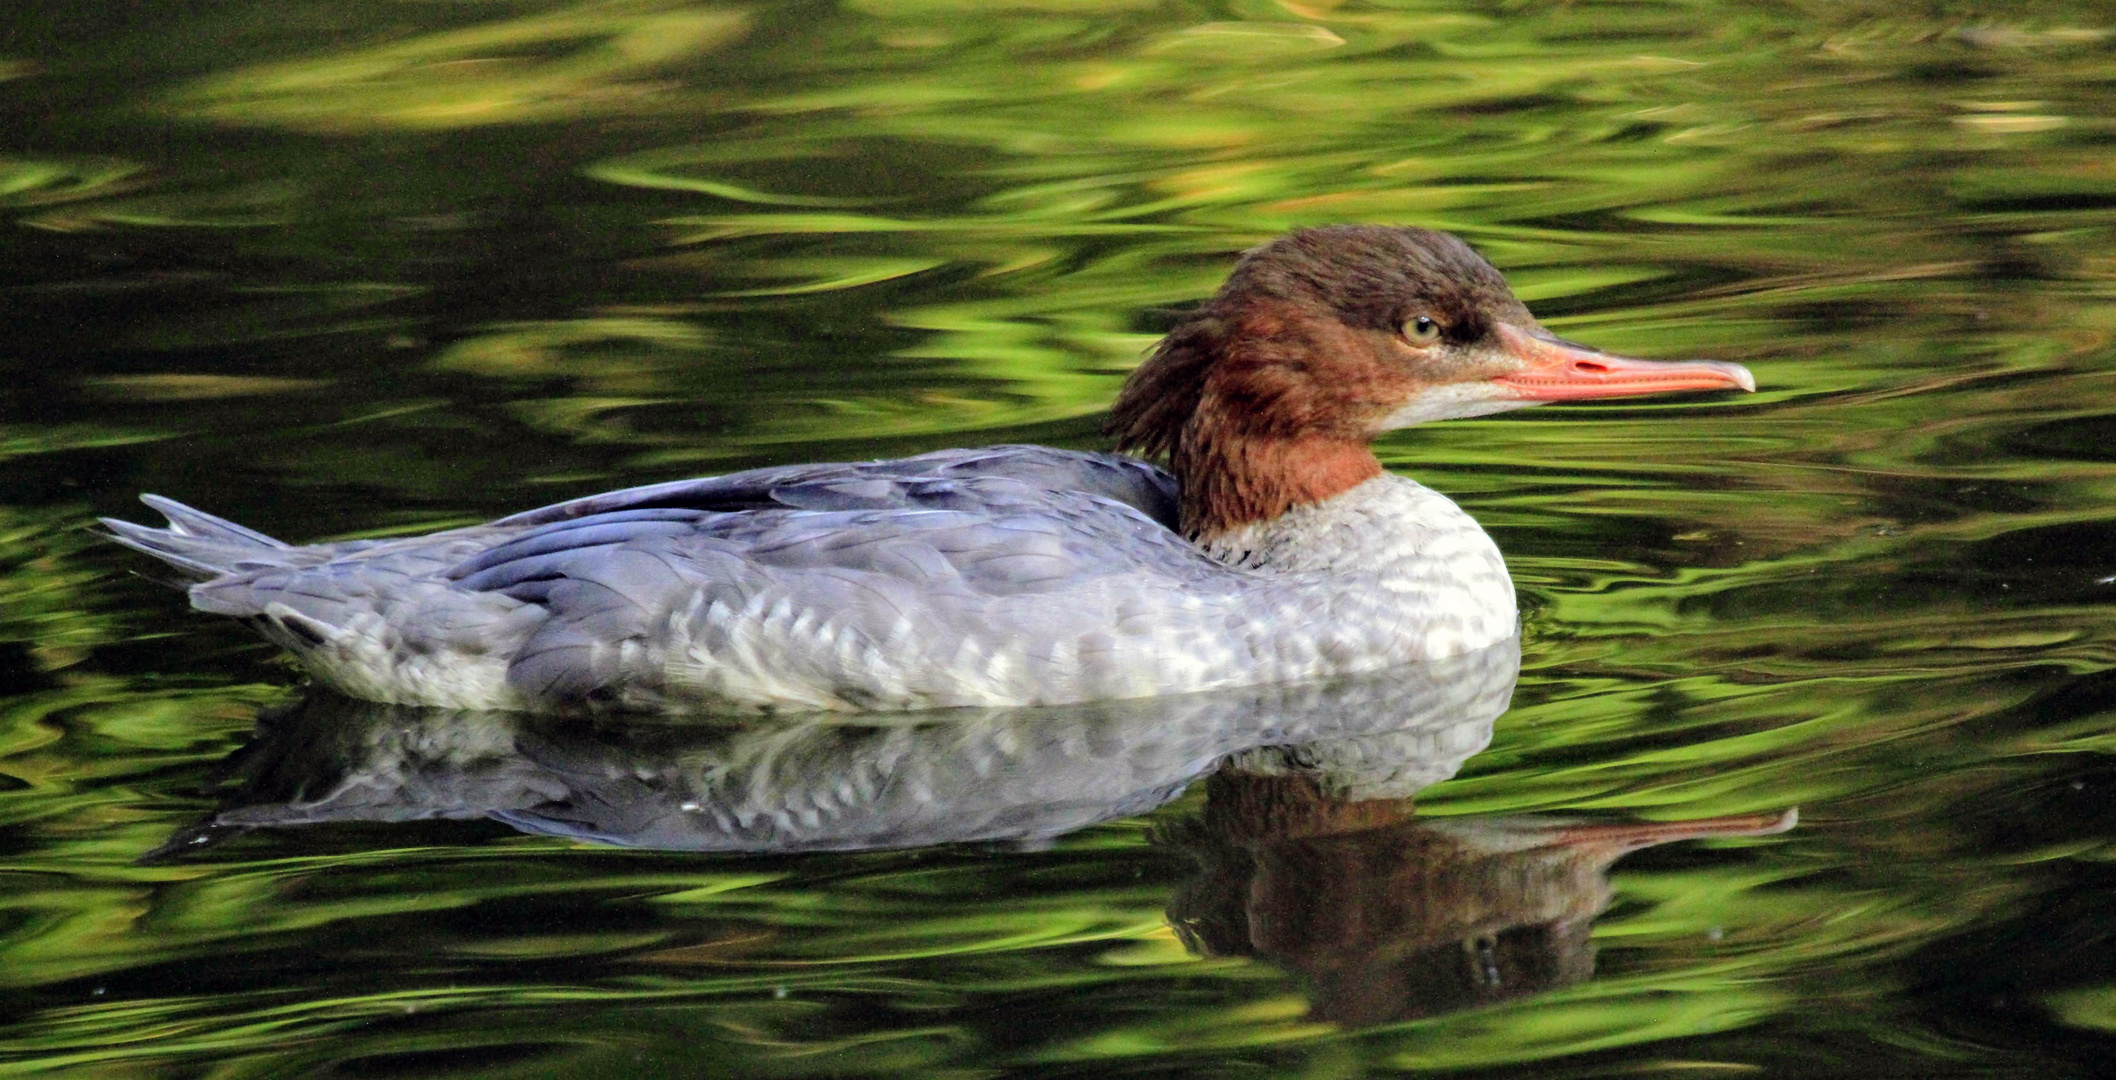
x,y
335,268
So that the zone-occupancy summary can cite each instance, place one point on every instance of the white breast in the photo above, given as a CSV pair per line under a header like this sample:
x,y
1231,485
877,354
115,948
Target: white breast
x,y
1386,572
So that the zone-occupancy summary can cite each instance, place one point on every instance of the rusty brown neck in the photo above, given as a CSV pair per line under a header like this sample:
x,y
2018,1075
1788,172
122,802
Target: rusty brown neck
x,y
1261,409
1249,807
1282,419
1229,480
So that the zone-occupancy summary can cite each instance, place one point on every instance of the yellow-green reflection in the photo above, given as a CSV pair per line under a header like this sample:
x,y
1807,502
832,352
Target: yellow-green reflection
x,y
248,206
197,387
574,62
33,182
2093,1009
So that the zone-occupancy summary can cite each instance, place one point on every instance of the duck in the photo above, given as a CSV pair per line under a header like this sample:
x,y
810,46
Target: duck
x,y
1272,547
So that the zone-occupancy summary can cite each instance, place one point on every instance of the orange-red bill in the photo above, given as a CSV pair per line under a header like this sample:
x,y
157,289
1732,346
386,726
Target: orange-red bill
x,y
1557,370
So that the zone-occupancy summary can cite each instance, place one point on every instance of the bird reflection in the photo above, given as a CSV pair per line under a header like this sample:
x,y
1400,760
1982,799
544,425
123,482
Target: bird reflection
x,y
1392,917
1309,855
830,782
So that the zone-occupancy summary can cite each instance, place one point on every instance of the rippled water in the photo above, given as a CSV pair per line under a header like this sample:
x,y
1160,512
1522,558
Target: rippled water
x,y
334,268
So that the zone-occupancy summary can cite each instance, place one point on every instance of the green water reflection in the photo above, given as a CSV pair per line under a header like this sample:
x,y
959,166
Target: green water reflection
x,y
334,269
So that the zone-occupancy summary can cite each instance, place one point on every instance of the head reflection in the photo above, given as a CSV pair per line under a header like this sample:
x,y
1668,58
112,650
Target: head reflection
x,y
1392,917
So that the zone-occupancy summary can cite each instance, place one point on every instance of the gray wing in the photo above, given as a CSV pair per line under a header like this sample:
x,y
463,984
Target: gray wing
x,y
856,588
875,485
881,585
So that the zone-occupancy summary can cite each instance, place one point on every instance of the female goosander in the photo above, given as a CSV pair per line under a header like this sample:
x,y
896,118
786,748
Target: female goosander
x,y
1275,548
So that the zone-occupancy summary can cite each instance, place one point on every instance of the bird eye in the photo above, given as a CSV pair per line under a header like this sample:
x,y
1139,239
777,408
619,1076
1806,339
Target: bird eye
x,y
1421,330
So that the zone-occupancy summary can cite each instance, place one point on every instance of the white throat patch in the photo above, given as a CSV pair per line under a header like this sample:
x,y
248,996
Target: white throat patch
x,y
1453,402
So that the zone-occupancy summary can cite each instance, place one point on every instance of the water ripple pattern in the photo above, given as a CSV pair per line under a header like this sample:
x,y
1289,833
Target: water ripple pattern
x,y
334,268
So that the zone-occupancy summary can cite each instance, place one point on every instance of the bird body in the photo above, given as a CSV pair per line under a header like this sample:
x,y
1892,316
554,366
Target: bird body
x,y
934,581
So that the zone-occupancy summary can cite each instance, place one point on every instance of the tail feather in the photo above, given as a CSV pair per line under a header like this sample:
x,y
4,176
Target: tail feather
x,y
205,526
196,543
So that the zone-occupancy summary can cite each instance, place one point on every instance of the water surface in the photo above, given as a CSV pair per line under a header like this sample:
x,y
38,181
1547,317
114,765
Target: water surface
x,y
335,269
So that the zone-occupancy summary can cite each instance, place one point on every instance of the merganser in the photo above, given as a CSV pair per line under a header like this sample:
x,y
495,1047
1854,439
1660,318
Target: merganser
x,y
1275,548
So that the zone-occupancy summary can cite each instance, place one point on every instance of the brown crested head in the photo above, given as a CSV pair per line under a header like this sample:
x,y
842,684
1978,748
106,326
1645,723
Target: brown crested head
x,y
1265,398
1291,316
